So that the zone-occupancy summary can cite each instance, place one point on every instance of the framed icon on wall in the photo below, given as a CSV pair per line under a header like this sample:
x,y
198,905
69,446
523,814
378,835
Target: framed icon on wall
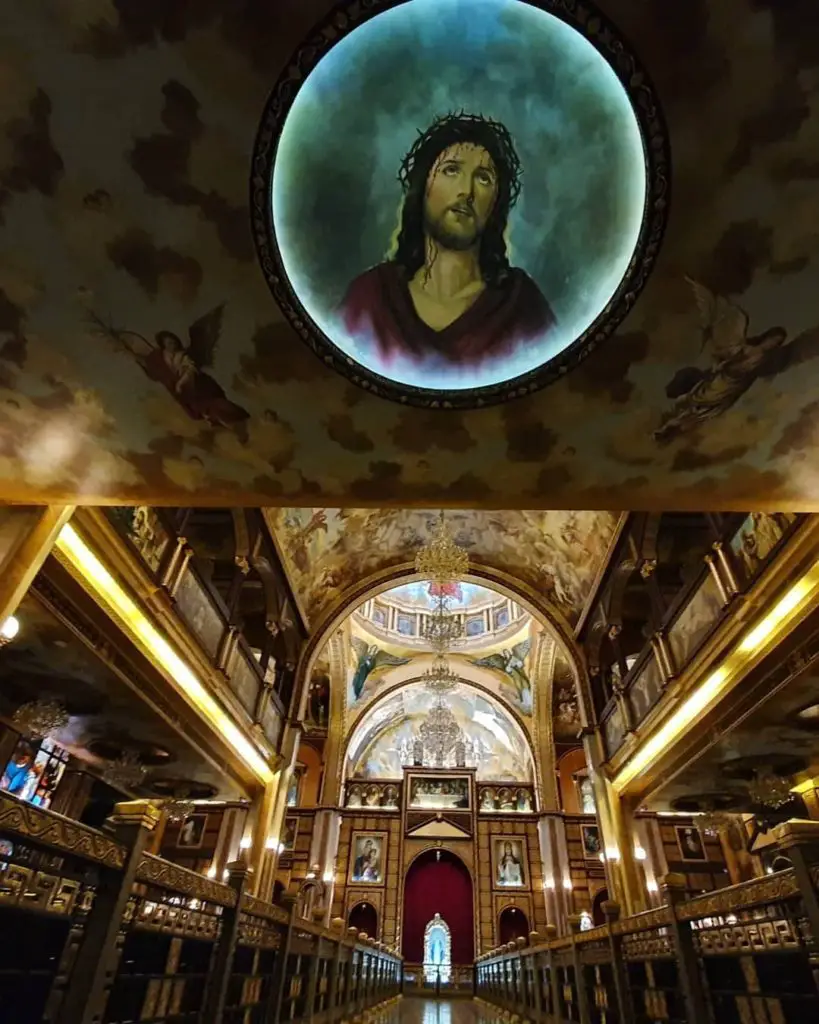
x,y
367,858
509,867
690,843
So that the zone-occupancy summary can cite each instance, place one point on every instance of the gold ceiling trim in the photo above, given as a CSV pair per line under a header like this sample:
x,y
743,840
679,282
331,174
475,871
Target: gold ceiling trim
x,y
102,585
762,636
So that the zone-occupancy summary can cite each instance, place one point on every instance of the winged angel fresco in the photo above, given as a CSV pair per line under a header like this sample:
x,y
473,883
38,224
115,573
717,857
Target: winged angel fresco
x,y
370,659
512,663
737,360
180,366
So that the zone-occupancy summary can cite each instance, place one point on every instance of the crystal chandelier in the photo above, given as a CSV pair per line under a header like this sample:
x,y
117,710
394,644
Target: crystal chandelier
x,y
439,733
440,678
714,822
40,718
440,559
126,771
770,790
442,628
177,811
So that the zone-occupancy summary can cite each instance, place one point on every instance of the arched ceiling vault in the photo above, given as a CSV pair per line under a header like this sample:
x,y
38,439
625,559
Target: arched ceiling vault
x,y
124,175
333,556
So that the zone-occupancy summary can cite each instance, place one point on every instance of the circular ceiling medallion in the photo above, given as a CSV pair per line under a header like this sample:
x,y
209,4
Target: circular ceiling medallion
x,y
454,202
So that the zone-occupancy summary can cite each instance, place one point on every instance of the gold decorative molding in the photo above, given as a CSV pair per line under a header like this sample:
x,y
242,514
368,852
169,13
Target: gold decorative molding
x,y
780,886
136,812
165,875
259,908
52,830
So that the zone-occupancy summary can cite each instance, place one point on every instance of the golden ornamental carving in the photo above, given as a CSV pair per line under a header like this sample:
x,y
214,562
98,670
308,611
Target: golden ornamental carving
x,y
780,886
658,918
60,833
161,873
258,908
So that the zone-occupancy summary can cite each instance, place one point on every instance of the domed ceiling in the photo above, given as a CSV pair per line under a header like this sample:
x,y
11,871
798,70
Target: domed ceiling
x,y
144,360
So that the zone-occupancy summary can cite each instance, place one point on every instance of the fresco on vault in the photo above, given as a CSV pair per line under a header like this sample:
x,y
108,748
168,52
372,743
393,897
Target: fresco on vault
x,y
484,201
510,662
369,662
382,743
731,361
179,366
328,550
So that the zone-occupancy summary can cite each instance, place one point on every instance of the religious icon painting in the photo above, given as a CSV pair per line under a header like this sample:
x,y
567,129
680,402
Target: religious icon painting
x,y
367,858
592,847
192,831
291,828
434,238
689,841
509,862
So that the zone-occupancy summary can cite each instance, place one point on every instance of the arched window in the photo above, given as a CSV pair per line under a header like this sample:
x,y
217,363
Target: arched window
x,y
437,950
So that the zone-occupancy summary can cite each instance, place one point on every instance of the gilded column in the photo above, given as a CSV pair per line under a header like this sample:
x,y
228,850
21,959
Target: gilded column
x,y
27,535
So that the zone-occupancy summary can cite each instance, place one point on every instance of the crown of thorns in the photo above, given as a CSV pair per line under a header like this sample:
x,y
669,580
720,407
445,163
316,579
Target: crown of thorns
x,y
450,129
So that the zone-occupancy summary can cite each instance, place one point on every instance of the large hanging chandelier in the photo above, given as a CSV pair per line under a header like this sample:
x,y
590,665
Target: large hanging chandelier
x,y
440,678
179,807
714,822
40,718
439,733
440,559
442,628
125,772
770,790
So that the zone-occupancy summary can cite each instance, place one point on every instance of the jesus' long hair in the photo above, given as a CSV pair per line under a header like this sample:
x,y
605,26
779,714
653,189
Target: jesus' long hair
x,y
416,166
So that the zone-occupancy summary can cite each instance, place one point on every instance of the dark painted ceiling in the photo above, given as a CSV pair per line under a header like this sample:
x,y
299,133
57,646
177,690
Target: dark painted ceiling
x,y
127,130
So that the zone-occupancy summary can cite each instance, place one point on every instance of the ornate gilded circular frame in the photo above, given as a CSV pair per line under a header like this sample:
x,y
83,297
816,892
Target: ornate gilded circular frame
x,y
602,34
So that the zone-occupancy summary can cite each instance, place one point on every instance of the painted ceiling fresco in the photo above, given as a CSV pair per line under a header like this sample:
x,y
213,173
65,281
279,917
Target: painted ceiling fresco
x,y
382,743
326,551
143,359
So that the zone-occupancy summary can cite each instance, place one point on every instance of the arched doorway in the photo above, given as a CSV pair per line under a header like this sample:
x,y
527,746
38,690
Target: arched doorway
x,y
512,924
364,917
438,882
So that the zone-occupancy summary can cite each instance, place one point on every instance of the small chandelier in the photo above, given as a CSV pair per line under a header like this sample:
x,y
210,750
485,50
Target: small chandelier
x,y
177,811
770,790
440,559
714,822
126,771
442,628
440,678
40,718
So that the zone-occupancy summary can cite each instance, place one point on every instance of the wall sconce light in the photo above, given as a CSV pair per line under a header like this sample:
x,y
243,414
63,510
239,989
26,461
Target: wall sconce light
x,y
612,853
602,856
568,884
9,630
640,853
246,842
652,886
273,844
329,876
548,883
212,871
311,874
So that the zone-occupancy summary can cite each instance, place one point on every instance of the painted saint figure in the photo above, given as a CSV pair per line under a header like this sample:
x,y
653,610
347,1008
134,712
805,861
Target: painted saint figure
x,y
509,872
448,294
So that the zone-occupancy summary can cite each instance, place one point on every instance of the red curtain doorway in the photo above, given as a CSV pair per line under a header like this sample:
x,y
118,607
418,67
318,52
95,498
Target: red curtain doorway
x,y
442,886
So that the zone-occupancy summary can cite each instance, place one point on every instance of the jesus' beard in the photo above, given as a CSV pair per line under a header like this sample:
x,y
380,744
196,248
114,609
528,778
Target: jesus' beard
x,y
442,237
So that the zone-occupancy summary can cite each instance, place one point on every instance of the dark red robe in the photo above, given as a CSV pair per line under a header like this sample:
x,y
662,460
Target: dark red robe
x,y
378,307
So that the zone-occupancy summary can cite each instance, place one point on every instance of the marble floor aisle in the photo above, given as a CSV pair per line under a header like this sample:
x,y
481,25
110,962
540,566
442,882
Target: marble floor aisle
x,y
416,1010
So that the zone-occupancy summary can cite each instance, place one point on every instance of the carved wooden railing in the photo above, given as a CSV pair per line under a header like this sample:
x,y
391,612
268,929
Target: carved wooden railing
x,y
745,953
105,931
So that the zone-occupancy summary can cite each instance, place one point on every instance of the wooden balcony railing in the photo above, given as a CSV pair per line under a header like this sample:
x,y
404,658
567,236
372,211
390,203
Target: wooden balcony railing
x,y
94,929
745,953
